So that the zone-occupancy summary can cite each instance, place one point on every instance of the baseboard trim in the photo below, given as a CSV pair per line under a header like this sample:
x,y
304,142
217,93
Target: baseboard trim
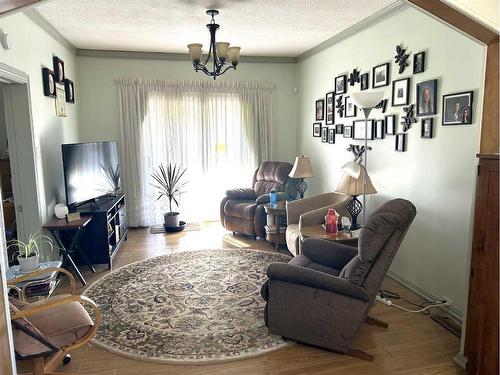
x,y
450,310
460,360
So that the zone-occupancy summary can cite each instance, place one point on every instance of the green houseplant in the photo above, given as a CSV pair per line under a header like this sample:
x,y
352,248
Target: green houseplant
x,y
28,252
170,184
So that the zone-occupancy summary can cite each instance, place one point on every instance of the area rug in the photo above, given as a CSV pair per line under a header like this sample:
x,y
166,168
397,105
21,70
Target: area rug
x,y
192,307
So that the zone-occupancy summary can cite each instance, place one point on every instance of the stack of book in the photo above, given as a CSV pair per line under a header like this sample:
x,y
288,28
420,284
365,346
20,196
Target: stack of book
x,y
38,286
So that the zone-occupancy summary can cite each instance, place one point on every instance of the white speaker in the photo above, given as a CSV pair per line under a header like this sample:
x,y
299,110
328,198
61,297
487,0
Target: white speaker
x,y
61,210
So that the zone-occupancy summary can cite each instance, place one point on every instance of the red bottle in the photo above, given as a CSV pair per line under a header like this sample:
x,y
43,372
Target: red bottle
x,y
331,221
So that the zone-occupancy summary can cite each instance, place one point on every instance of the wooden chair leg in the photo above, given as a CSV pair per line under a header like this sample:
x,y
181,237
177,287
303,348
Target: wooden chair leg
x,y
359,354
38,366
376,322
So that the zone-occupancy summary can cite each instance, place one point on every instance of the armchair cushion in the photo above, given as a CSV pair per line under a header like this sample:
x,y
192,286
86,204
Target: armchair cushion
x,y
329,253
356,271
303,261
241,194
244,209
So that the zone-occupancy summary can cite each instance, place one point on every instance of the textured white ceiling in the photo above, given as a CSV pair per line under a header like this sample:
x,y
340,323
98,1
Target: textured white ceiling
x,y
485,11
259,27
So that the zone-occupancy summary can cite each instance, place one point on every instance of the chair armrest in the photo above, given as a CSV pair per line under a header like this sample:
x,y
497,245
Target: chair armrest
x,y
315,279
280,196
72,283
328,253
241,194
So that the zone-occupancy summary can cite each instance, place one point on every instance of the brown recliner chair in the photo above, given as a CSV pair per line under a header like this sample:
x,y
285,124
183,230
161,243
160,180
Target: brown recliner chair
x,y
242,210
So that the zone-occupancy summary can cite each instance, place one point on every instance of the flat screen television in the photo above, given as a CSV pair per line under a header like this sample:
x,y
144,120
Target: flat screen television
x,y
91,171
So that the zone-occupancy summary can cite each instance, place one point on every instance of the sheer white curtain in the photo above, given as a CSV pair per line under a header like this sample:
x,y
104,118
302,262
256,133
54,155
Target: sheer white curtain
x,y
220,131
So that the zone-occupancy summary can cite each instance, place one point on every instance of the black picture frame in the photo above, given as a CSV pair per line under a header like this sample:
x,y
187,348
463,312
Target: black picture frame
x,y
427,127
347,132
379,129
331,135
317,129
451,100
69,90
320,109
419,62
400,92
358,127
380,75
350,109
365,81
341,84
423,89
59,73
339,129
49,83
324,134
330,108
400,142
390,124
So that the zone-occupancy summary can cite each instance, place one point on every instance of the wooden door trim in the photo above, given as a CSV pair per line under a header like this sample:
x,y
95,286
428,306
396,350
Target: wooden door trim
x,y
11,6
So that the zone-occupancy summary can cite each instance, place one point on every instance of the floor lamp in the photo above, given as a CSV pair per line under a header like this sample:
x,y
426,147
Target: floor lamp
x,y
366,101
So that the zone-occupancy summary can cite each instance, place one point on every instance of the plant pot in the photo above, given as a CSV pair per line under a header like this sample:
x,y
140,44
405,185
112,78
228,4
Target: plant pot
x,y
171,219
28,264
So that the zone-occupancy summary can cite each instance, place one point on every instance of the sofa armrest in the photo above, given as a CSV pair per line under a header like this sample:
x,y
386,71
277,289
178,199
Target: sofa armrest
x,y
328,253
241,194
315,279
280,196
296,208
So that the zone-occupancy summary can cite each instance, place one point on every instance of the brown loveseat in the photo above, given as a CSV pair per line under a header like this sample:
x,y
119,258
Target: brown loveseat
x,y
242,210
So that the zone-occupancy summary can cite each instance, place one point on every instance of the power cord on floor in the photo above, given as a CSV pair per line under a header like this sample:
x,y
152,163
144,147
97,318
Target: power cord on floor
x,y
386,296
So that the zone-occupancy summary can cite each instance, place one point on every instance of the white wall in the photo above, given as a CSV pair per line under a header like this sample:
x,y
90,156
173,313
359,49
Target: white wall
x,y
97,93
437,175
31,49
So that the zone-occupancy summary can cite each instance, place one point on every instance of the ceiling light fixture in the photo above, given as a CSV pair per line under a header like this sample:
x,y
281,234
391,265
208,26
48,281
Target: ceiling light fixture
x,y
220,52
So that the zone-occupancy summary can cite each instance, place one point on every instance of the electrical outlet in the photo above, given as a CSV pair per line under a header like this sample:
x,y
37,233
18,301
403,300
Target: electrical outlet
x,y
448,300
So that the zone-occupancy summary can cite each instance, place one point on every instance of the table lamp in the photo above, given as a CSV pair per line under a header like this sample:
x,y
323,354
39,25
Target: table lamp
x,y
302,169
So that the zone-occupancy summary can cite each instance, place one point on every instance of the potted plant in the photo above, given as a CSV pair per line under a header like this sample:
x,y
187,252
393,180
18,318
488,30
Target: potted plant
x,y
169,183
28,252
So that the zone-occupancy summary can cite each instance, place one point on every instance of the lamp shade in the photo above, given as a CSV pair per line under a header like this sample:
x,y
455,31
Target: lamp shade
x,y
354,186
195,51
234,54
352,168
302,168
367,99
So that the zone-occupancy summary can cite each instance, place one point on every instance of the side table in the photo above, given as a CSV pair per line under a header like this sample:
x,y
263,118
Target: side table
x,y
37,286
274,234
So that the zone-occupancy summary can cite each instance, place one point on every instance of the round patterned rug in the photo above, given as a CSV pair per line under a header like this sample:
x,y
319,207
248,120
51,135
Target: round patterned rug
x,y
189,307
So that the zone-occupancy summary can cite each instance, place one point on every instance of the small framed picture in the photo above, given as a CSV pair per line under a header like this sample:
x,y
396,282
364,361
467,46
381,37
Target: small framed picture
x,y
69,89
58,69
427,130
49,83
60,102
365,83
339,129
317,129
324,134
340,84
350,108
400,142
426,98
359,130
347,131
457,108
380,75
331,135
320,110
379,129
390,124
419,62
401,92
330,108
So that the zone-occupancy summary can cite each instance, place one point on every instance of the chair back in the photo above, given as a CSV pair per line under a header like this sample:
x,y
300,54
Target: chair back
x,y
273,175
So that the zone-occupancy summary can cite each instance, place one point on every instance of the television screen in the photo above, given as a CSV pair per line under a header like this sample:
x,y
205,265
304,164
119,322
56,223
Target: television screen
x,y
91,170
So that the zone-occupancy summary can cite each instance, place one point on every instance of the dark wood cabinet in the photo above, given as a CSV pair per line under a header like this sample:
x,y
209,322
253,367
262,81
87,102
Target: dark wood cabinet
x,y
481,337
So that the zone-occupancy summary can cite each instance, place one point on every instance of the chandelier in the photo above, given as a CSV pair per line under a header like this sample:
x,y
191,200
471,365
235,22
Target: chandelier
x,y
219,53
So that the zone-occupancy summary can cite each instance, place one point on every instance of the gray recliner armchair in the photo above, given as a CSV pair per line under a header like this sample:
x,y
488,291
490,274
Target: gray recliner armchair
x,y
336,282
242,210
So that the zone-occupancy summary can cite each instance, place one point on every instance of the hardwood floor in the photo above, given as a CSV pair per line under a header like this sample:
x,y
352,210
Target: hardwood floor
x,y
413,344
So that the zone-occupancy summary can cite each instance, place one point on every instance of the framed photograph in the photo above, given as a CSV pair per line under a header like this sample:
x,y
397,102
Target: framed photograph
x,y
457,108
320,109
364,82
317,129
49,83
350,109
331,135
380,76
347,131
390,124
401,92
426,98
359,130
340,84
419,62
400,142
324,134
339,129
58,69
69,89
330,108
60,102
427,130
379,129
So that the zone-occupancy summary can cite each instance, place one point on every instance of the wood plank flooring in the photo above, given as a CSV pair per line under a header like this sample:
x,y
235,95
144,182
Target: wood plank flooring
x,y
413,344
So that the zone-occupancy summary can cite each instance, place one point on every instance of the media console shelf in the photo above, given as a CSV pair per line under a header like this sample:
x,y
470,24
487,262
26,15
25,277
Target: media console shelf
x,y
106,231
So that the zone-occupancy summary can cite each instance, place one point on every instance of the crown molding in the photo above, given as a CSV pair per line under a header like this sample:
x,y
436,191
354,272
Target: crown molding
x,y
375,18
41,22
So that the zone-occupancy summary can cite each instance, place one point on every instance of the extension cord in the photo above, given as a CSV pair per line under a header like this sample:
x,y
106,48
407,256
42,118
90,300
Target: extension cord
x,y
388,302
385,301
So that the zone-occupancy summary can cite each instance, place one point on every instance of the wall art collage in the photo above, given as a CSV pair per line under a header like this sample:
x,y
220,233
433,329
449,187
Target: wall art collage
x,y
56,85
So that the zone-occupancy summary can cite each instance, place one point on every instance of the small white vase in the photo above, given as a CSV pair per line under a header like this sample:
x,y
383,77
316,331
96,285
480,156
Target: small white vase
x,y
28,264
171,219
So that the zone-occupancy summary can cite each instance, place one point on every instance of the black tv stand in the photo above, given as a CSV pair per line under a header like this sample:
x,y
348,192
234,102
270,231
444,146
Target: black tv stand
x,y
107,230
